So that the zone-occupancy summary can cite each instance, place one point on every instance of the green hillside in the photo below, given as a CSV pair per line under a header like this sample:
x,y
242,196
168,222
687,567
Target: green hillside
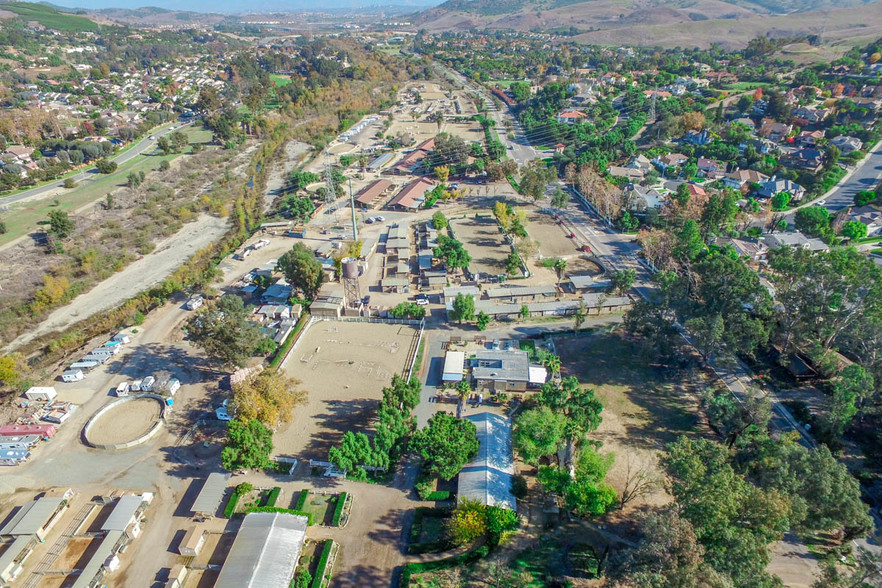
x,y
50,17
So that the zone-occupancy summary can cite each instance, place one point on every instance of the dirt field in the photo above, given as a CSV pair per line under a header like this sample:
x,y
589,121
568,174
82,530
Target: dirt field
x,y
553,242
125,422
76,554
421,131
484,243
645,406
344,367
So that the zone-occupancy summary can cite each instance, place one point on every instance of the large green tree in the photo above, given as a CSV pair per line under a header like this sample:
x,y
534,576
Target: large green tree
x,y
248,446
538,433
452,253
302,270
225,332
463,307
446,444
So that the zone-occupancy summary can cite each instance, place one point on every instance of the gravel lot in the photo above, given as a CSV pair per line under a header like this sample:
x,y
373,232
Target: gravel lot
x,y
344,367
125,422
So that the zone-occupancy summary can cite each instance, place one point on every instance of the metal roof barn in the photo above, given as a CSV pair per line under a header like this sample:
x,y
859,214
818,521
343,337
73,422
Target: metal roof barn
x,y
32,517
488,477
123,513
209,498
86,579
265,552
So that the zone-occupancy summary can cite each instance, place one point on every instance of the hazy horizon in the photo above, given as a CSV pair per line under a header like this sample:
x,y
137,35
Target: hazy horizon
x,y
238,7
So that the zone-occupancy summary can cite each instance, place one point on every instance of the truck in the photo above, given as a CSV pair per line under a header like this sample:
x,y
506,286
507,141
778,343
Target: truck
x,y
261,244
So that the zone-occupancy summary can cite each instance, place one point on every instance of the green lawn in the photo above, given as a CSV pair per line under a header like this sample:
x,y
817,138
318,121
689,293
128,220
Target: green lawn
x,y
23,217
743,86
51,17
279,80
321,507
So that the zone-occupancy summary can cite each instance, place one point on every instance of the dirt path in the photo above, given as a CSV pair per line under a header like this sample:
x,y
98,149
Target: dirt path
x,y
138,276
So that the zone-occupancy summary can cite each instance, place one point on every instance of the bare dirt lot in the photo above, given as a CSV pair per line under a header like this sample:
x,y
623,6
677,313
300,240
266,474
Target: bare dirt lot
x,y
553,241
645,406
344,367
77,552
125,422
484,243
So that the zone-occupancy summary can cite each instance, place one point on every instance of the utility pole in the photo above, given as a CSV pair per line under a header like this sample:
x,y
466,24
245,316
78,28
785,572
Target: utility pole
x,y
352,207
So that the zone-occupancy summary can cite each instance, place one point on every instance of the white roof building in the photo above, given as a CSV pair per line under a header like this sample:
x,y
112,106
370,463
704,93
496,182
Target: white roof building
x,y
488,477
265,552
454,364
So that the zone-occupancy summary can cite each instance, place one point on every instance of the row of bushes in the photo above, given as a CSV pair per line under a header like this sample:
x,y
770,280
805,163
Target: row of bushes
x,y
301,500
285,347
338,509
230,508
443,564
322,564
414,546
310,519
272,497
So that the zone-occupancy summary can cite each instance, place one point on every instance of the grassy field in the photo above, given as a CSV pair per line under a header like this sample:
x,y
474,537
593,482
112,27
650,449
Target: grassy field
x,y
51,17
24,217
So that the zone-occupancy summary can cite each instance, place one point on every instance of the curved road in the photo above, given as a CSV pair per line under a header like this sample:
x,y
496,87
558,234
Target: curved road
x,y
91,175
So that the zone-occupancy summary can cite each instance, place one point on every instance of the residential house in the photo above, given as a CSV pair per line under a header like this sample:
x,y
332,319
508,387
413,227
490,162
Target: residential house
x,y
847,144
752,249
505,371
710,168
670,160
696,192
806,158
640,162
702,137
806,115
773,130
775,185
571,117
639,199
794,239
870,216
742,178
809,138
629,173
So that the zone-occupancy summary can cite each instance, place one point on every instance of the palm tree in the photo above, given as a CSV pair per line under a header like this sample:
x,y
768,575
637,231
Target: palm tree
x,y
560,266
463,390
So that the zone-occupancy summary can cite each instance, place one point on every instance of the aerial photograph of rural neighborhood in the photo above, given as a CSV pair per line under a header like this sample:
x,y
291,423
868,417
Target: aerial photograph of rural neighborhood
x,y
481,293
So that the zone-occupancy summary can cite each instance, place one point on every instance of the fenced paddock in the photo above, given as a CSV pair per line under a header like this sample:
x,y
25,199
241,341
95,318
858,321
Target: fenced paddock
x,y
343,366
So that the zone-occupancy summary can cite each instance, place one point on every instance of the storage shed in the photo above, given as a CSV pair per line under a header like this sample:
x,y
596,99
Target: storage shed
x,y
41,393
209,498
192,542
454,364
72,375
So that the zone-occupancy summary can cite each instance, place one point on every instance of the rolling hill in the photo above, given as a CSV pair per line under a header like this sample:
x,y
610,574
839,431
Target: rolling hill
x,y
668,23
48,16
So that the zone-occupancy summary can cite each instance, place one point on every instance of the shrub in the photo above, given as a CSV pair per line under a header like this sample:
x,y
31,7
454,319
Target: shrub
x,y
310,520
425,486
230,508
438,495
69,183
338,510
244,488
301,500
443,564
303,579
322,564
272,497
416,529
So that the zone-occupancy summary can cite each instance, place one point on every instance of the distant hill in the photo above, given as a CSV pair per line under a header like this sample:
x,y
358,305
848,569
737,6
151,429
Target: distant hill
x,y
685,23
50,16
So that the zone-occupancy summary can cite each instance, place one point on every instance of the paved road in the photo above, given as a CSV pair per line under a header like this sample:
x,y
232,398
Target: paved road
x,y
864,178
91,175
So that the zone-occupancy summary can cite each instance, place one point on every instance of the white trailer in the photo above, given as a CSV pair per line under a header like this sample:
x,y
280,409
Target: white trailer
x,y
72,375
121,337
83,364
108,351
261,244
147,383
96,358
20,442
136,385
194,302
173,386
41,393
122,389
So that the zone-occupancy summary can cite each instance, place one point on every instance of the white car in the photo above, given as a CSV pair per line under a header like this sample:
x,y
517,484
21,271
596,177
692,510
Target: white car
x,y
422,302
221,412
380,219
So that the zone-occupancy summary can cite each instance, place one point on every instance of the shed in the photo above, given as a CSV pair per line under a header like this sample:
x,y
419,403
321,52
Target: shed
x,y
94,568
12,558
209,498
35,518
265,552
41,393
72,375
454,364
192,542
488,477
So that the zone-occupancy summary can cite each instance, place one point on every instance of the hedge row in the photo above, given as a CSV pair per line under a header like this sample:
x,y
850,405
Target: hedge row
x,y
301,500
310,519
442,564
283,350
338,510
273,496
322,564
414,546
439,495
230,508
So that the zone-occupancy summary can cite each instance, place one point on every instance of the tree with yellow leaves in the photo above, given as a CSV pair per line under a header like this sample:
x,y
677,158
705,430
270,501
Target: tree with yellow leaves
x,y
269,397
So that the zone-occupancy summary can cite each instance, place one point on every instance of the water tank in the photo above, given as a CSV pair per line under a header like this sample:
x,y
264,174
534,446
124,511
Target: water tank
x,y
350,267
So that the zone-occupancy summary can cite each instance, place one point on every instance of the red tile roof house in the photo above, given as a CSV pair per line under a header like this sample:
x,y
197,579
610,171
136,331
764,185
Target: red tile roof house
x,y
571,117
